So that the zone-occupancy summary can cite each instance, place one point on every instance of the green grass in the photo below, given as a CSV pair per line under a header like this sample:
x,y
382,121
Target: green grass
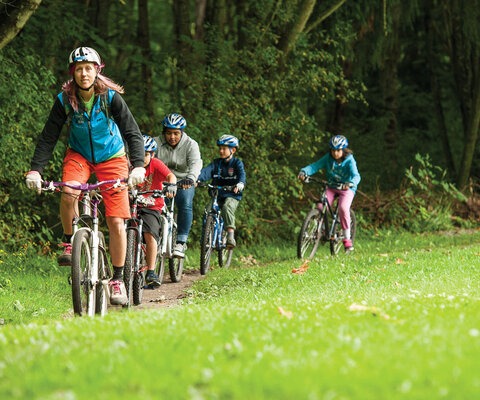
x,y
398,319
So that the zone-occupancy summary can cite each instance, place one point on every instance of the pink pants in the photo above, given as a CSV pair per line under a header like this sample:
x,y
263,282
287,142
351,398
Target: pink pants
x,y
345,198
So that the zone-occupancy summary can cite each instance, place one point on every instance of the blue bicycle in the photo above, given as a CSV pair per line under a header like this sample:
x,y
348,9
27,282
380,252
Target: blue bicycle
x,y
214,236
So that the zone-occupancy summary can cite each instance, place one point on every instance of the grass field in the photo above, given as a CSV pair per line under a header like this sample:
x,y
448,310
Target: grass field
x,y
398,319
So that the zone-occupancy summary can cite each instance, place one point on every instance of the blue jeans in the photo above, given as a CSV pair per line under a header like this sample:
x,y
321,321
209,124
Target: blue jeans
x,y
184,207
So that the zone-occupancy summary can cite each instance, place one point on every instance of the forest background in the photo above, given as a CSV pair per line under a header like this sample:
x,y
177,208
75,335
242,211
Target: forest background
x,y
400,79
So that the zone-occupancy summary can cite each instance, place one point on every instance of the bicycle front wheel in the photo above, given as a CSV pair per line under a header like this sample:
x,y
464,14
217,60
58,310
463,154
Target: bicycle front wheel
x,y
139,279
175,264
83,292
313,228
225,254
130,260
207,245
104,275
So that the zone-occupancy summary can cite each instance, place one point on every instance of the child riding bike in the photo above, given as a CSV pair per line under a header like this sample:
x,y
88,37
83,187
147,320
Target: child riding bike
x,y
343,178
156,173
227,170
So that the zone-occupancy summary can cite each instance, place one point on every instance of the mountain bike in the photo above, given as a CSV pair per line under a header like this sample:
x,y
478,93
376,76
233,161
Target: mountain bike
x,y
135,266
321,225
90,269
214,236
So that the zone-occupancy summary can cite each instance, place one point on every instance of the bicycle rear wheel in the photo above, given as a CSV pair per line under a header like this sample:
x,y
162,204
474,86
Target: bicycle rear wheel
x,y
313,228
207,245
83,292
130,260
225,254
353,226
336,241
104,275
175,264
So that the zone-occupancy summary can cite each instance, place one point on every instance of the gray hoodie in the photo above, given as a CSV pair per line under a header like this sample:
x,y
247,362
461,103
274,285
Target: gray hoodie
x,y
184,160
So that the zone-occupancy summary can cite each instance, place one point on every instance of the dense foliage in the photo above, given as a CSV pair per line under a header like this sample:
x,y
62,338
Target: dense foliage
x,y
282,76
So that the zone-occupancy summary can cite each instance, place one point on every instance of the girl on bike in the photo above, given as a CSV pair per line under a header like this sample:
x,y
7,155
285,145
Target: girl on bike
x,y
342,177
98,122
182,155
227,170
157,173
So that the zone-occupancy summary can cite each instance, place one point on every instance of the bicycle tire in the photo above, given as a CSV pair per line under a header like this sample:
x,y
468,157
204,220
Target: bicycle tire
x,y
104,275
225,253
353,226
130,260
139,280
207,245
83,294
310,234
160,261
175,264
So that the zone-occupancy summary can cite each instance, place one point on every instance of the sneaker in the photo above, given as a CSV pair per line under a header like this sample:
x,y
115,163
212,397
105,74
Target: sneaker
x,y
152,279
118,293
179,250
65,259
231,240
348,245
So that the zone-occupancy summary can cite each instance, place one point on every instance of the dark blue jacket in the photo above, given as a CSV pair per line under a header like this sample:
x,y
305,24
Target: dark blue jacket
x,y
225,173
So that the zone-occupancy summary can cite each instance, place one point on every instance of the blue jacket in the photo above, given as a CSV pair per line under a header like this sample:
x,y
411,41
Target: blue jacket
x,y
95,137
225,173
336,172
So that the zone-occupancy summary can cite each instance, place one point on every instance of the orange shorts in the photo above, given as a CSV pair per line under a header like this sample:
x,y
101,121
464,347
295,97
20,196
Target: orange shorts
x,y
77,168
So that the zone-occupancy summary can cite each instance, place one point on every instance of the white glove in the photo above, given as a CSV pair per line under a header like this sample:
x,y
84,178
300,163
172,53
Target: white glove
x,y
240,186
34,181
137,176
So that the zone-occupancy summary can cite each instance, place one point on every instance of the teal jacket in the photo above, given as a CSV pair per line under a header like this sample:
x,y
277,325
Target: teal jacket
x,y
87,134
336,172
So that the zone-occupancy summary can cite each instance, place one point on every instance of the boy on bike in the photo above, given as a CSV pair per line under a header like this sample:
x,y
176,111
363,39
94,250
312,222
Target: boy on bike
x,y
227,170
156,173
343,179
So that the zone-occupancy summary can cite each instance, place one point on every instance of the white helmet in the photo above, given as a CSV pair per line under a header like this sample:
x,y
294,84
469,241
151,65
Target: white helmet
x,y
84,54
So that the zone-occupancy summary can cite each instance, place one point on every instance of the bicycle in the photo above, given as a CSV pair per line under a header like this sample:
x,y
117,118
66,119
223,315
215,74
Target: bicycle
x,y
321,225
90,271
214,236
135,268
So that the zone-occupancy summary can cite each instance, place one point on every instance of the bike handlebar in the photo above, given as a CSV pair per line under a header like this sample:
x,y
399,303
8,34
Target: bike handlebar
x,y
84,187
209,185
311,179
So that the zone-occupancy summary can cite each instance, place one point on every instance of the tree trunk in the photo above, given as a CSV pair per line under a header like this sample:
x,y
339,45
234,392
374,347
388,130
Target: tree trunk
x,y
287,42
144,43
13,17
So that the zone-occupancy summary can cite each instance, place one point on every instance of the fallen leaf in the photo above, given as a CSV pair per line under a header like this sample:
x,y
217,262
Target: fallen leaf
x,y
399,261
285,313
302,269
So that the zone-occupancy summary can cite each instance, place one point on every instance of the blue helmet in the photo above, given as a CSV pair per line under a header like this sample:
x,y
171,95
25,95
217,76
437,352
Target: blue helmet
x,y
174,121
150,143
227,140
338,142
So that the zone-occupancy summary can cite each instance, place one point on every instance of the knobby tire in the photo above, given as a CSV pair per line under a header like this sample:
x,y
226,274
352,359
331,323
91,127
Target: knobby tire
x,y
130,260
207,245
175,265
104,275
83,294
310,234
225,254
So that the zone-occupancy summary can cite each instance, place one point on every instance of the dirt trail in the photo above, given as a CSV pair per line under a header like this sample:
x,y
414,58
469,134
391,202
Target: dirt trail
x,y
169,294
